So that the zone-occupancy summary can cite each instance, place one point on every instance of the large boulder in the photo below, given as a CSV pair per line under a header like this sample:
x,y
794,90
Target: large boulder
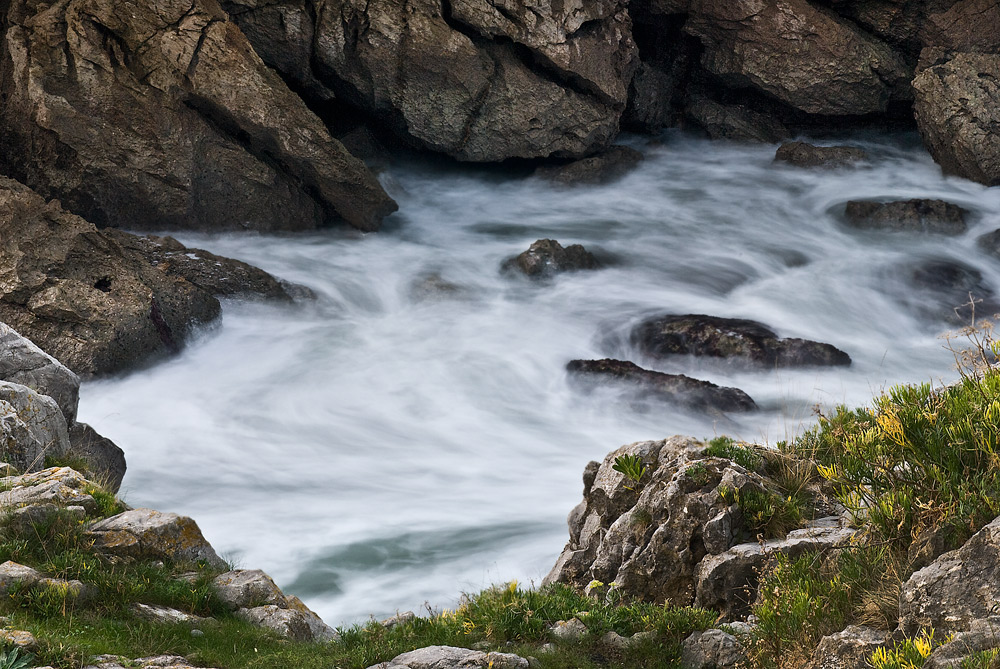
x,y
732,339
957,107
100,301
149,534
105,461
48,488
160,115
804,55
736,121
480,81
32,427
24,363
848,649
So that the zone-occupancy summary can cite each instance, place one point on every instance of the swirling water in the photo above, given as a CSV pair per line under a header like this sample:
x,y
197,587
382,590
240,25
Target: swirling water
x,y
411,434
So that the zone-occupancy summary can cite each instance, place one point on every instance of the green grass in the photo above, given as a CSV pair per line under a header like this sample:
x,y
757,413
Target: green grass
x,y
748,456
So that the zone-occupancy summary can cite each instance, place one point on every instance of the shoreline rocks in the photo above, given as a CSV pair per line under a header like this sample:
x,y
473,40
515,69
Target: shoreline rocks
x,y
546,257
929,216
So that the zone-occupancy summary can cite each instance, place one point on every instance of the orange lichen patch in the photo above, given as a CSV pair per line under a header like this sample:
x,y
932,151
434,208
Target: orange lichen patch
x,y
152,534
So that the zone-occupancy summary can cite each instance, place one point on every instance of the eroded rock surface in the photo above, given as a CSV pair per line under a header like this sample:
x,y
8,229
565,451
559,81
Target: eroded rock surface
x,y
547,257
32,426
440,657
150,534
848,649
160,115
21,361
601,168
918,215
801,154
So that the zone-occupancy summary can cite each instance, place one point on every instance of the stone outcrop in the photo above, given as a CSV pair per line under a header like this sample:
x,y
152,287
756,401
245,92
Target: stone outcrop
x,y
442,657
982,635
58,486
476,80
160,115
848,649
712,649
150,534
933,216
32,427
957,107
735,340
801,154
957,589
101,301
671,388
105,460
547,257
153,662
24,363
803,55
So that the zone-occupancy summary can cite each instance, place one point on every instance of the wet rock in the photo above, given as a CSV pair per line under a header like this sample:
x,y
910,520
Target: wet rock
x,y
439,657
672,388
547,256
59,486
735,122
849,649
32,426
732,339
601,168
990,243
727,582
957,589
653,99
801,154
248,588
917,215
104,459
162,116
957,105
803,55
24,363
145,533
947,291
476,80
712,649
364,144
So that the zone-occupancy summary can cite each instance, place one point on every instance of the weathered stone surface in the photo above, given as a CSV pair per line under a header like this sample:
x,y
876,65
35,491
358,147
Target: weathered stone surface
x,y
727,582
454,78
547,256
247,588
288,623
449,657
12,573
105,461
398,619
735,122
568,630
320,630
982,635
672,388
958,588
25,516
145,533
653,100
21,361
803,55
160,114
20,638
603,167
737,340
957,107
61,486
966,25
168,616
32,426
849,649
801,154
934,216
157,662
712,649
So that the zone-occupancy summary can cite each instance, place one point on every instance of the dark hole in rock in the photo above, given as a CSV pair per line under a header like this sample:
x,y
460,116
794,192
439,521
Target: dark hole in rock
x,y
103,284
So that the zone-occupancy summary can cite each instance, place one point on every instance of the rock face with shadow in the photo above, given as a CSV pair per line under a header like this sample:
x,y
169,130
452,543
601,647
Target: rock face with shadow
x,y
161,115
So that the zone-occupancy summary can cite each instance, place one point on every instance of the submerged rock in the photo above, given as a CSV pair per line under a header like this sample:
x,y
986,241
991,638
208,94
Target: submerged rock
x,y
601,168
990,243
917,215
736,122
160,115
801,154
945,290
547,256
672,388
732,339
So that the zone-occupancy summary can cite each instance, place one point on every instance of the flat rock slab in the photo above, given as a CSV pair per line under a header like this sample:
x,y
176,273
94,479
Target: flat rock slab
x,y
61,486
168,616
547,257
145,533
24,363
157,662
734,340
449,657
801,154
672,388
933,216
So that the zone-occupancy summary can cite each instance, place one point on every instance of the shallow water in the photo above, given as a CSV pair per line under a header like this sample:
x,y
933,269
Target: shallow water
x,y
400,440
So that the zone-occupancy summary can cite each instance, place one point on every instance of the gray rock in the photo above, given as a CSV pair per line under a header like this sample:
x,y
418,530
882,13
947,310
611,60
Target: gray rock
x,y
957,589
449,657
320,630
601,168
801,154
24,363
288,623
568,630
105,461
168,616
712,649
849,649
734,340
20,638
248,588
547,256
58,486
12,573
982,635
145,533
398,619
935,216
26,516
32,426
157,662
672,388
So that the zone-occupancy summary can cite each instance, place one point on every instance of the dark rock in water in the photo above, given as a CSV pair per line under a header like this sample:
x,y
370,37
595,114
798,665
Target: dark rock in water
x,y
651,104
547,256
734,121
916,215
601,168
801,154
957,108
990,243
674,388
363,144
105,460
162,116
733,339
944,289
